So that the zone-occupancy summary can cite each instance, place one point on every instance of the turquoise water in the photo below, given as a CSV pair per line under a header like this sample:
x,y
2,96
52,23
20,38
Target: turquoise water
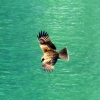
x,y
74,24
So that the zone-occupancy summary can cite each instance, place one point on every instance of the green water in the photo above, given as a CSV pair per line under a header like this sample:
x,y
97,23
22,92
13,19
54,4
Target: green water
x,y
71,23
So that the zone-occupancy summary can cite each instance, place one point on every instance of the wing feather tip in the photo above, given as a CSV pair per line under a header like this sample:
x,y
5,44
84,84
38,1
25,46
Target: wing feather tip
x,y
47,70
42,33
37,37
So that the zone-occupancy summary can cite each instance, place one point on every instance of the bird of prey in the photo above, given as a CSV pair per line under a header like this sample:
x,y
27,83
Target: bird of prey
x,y
50,56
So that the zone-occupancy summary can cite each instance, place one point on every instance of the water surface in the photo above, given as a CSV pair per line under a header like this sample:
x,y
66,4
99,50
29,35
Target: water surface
x,y
70,23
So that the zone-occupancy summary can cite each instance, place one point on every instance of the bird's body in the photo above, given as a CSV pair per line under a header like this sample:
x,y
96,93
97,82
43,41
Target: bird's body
x,y
50,56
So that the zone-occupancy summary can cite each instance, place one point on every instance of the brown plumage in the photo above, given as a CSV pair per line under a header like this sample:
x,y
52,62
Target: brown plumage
x,y
50,54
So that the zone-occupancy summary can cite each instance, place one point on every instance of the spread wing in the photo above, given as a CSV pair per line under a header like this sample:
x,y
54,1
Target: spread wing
x,y
48,64
45,42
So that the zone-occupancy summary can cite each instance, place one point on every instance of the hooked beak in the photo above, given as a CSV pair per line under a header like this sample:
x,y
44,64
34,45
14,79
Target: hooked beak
x,y
42,59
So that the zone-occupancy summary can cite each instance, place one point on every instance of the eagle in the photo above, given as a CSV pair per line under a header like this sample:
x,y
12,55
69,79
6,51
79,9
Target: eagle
x,y
50,56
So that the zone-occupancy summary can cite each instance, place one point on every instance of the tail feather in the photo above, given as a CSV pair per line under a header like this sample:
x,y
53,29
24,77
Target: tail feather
x,y
63,54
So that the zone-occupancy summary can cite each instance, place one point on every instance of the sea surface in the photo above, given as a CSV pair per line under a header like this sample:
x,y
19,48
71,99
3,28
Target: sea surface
x,y
74,24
